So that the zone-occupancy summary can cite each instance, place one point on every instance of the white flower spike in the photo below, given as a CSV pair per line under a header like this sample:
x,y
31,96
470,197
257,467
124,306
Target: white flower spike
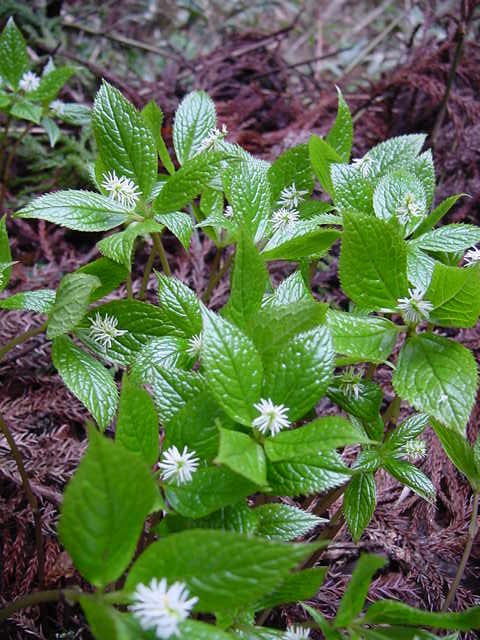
x,y
195,345
415,309
415,449
178,466
409,209
351,383
290,197
160,607
472,257
296,633
213,138
228,213
273,418
283,218
103,330
29,82
122,190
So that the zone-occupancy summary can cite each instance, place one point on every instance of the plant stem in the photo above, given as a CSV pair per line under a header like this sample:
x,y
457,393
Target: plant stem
x,y
157,241
32,500
218,276
10,157
472,532
391,412
23,337
129,286
370,371
146,273
313,271
32,599
213,273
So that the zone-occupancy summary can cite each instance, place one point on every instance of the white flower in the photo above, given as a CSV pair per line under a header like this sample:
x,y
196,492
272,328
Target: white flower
x,y
409,209
103,330
273,418
228,213
415,449
213,138
58,107
415,309
283,218
363,165
29,82
351,383
472,256
195,345
291,196
160,607
121,189
178,466
296,633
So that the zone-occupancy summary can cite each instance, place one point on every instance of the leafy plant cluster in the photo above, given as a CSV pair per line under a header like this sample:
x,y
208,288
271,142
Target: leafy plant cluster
x,y
235,392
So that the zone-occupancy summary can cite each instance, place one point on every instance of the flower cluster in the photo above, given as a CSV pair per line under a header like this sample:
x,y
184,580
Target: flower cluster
x,y
160,607
351,383
273,418
29,82
283,218
178,466
414,308
296,633
121,189
415,449
104,329
195,345
210,142
472,256
409,209
290,197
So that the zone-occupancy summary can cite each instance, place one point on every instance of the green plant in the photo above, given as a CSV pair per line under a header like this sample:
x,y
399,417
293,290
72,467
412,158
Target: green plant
x,y
235,392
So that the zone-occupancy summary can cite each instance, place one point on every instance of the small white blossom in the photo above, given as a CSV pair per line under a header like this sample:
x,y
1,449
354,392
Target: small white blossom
x,y
213,138
363,165
351,383
29,82
58,107
178,466
296,633
415,449
290,197
415,309
409,209
195,345
122,190
472,256
228,213
273,418
160,607
103,330
283,218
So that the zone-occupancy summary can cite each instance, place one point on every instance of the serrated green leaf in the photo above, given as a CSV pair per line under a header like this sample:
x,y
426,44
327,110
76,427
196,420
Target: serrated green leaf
x,y
354,597
71,303
322,435
363,401
322,156
394,612
78,210
248,191
153,116
119,246
232,366
450,238
396,153
410,429
420,267
99,538
312,475
460,452
137,422
52,131
340,136
27,110
41,301
242,455
110,273
51,83
292,289
438,376
424,169
238,517
437,214
351,190
195,118
298,374
408,474
282,522
359,503
245,568
291,168
394,193
180,306
87,379
362,338
373,261
180,224
455,295
305,239
327,630
5,253
302,585
14,60
78,115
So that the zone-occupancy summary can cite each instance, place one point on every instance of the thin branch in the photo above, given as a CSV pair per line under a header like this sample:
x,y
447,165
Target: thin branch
x,y
218,276
146,273
157,241
32,599
23,337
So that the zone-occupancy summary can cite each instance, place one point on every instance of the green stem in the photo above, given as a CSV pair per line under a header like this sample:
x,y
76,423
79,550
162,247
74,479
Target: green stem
x,y
370,371
472,532
129,286
218,276
146,273
32,500
23,337
10,157
392,411
213,272
32,599
313,271
157,241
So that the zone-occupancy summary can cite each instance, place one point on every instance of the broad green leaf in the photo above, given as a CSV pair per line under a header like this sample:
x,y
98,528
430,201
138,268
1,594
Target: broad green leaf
x,y
395,193
124,141
78,210
305,239
291,168
353,599
359,503
322,156
322,435
71,303
373,261
302,585
242,455
420,267
249,194
408,474
52,131
153,116
110,273
233,367
460,452
195,118
449,238
226,571
340,136
292,289
119,246
76,114
394,612
109,483
298,374
437,376
437,214
14,60
248,282
311,475
396,153
351,191
40,301
87,379
196,630
137,422
180,306
51,83
362,338
238,517
5,253
424,169
27,110
360,399
282,522
410,429
104,621
455,295
180,224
